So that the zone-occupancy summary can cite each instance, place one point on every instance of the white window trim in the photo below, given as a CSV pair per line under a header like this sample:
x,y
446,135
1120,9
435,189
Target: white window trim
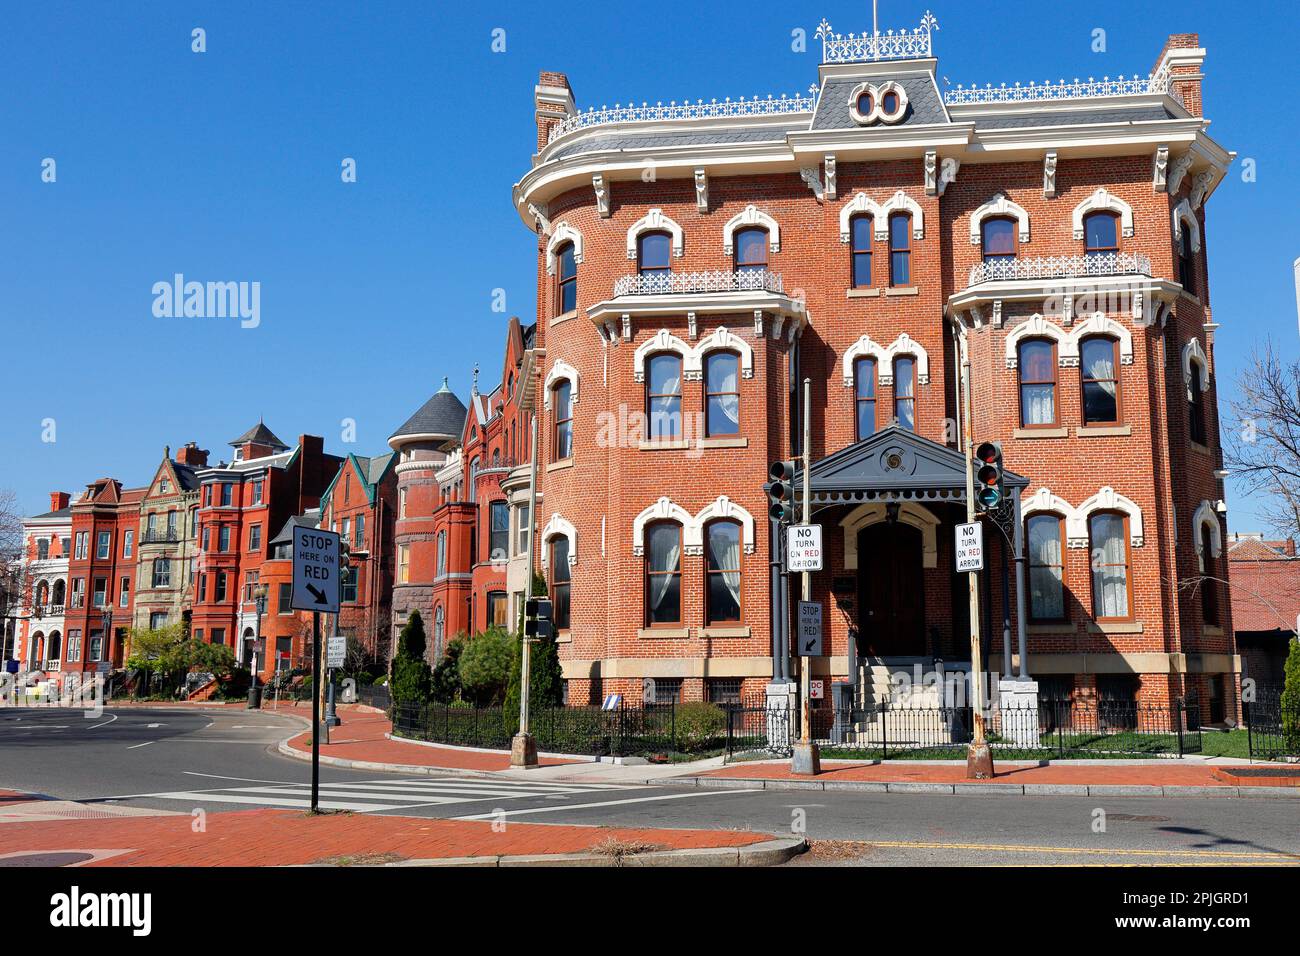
x,y
751,215
665,509
560,371
558,526
997,208
877,114
1106,499
723,508
655,221
859,204
901,202
1037,327
1100,324
884,355
1206,515
665,341
1100,201
1183,215
563,233
723,339
1193,353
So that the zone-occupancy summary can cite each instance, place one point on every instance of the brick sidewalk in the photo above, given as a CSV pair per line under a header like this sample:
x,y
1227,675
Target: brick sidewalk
x,y
361,737
1165,774
287,837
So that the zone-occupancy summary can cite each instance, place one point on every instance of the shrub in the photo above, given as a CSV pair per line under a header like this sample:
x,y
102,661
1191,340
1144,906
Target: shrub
x,y
699,724
1291,692
485,665
412,680
446,676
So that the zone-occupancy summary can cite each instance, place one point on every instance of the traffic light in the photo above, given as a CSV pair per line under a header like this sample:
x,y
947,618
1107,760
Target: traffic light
x,y
988,476
537,617
780,490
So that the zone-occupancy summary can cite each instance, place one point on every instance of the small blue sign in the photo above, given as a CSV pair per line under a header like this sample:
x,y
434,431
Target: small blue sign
x,y
612,701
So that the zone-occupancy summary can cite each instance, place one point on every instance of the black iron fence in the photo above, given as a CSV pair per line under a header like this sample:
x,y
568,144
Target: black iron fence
x,y
1272,730
625,731
376,695
1078,729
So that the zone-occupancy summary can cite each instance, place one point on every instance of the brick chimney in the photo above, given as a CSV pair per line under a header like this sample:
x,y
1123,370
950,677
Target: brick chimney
x,y
59,500
553,98
1183,56
192,455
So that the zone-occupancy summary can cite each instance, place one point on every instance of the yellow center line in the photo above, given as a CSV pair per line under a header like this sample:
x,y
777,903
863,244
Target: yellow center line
x,y
1083,850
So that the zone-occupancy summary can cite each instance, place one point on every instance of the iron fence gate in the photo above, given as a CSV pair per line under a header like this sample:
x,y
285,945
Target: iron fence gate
x,y
1272,730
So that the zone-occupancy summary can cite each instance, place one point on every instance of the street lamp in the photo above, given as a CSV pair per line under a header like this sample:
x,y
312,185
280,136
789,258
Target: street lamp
x,y
259,601
107,645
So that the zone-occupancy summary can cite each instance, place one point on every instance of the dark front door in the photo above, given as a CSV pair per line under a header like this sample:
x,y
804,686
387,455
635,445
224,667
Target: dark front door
x,y
891,593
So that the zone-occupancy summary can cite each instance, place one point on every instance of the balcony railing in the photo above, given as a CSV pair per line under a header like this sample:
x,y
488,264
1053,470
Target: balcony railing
x,y
1064,90
685,110
866,47
1061,267
160,536
669,283
47,610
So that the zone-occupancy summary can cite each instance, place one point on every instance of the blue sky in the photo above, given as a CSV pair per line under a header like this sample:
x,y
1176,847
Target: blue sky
x,y
226,166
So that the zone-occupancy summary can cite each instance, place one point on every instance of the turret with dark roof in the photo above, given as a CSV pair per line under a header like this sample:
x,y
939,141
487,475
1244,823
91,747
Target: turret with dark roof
x,y
441,418
259,434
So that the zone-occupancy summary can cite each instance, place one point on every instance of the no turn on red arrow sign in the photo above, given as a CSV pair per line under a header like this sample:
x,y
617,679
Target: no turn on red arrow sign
x,y
315,570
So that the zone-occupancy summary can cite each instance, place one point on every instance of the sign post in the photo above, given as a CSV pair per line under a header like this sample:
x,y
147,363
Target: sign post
x,y
315,589
804,553
970,547
979,758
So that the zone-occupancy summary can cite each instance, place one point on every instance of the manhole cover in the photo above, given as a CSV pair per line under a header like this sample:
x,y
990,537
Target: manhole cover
x,y
46,859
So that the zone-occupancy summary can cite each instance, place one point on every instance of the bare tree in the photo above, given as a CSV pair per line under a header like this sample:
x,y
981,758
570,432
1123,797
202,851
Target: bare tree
x,y
13,585
1262,444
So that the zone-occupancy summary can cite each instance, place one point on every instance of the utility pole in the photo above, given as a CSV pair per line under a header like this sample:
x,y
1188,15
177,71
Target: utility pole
x,y
979,759
523,748
806,760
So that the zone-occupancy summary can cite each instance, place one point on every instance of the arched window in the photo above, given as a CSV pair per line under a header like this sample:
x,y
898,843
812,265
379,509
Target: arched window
x,y
1209,586
1036,362
723,571
1100,233
751,249
562,402
439,629
566,280
57,596
722,394
860,231
663,395
42,594
900,249
561,581
1109,547
1043,534
442,553
653,252
864,377
905,392
54,646
473,480
1196,408
1186,262
998,239
1099,367
663,573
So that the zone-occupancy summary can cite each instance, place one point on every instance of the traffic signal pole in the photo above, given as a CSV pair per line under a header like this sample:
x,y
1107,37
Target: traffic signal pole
x,y
979,759
523,749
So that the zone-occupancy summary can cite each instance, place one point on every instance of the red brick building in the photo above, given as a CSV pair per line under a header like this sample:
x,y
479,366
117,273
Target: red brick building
x,y
696,263
242,504
1265,578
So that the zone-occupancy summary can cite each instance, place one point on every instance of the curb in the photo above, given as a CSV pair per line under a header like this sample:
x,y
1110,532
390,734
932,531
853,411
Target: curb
x,y
768,853
287,751
988,789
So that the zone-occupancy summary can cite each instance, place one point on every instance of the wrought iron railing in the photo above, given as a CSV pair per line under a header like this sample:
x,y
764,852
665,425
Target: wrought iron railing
x,y
1161,82
1061,267
857,48
159,536
665,283
1272,730
685,110
47,610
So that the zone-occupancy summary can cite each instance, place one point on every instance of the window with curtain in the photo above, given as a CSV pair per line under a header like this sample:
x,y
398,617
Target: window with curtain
x,y
566,281
653,253
751,250
1046,567
1108,538
723,549
664,396
1196,407
905,392
998,239
900,249
562,402
663,570
560,582
1209,587
722,393
864,377
1037,368
498,614
1100,233
1099,366
860,231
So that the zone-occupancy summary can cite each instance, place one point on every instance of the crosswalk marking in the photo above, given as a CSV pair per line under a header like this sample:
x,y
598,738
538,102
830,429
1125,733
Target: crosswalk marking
x,y
370,796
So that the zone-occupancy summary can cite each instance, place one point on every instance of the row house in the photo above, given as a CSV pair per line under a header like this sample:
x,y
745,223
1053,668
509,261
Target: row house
x,y
242,504
167,541
34,627
871,238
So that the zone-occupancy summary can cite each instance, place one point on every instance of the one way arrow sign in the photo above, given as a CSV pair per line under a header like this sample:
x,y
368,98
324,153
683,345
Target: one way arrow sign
x,y
315,570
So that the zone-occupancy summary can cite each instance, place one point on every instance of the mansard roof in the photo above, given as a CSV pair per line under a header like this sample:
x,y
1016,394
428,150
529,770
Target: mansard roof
x,y
923,104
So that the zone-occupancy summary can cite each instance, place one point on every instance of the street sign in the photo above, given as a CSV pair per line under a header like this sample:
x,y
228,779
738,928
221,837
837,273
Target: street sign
x,y
315,570
970,547
804,547
816,689
810,629
336,650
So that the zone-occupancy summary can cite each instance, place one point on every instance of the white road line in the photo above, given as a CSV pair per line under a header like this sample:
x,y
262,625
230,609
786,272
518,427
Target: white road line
x,y
274,801
473,785
218,776
604,803
137,746
152,726
254,794
111,718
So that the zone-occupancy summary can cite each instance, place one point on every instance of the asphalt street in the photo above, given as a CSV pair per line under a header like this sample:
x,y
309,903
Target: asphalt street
x,y
224,760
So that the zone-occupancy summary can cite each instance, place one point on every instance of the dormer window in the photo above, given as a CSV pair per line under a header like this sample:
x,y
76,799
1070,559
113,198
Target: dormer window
x,y
866,103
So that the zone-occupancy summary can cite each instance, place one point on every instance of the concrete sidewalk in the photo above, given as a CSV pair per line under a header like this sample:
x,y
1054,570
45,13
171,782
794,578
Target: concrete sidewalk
x,y
57,833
